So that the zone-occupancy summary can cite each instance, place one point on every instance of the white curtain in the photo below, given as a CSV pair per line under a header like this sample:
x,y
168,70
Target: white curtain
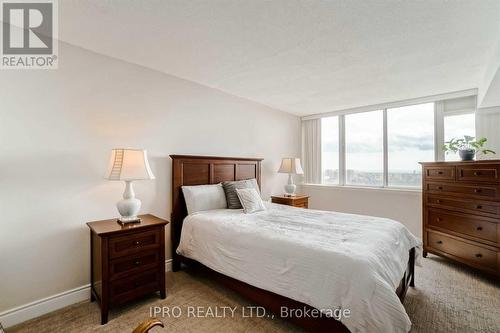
x,y
311,150
488,126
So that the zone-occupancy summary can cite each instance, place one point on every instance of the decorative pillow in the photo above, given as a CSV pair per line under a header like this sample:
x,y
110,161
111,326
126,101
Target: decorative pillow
x,y
250,200
204,197
230,189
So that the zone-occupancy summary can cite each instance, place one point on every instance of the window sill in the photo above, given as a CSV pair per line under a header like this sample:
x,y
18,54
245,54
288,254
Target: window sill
x,y
364,188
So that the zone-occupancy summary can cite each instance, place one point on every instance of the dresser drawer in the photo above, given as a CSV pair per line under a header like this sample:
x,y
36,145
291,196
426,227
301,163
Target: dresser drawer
x,y
134,286
134,243
470,191
474,206
478,173
440,172
124,266
301,203
471,254
463,224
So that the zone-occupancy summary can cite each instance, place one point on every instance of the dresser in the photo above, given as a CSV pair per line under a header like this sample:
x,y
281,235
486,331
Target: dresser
x,y
301,201
127,261
461,212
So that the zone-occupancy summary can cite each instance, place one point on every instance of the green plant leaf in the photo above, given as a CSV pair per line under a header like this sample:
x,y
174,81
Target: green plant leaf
x,y
482,141
468,138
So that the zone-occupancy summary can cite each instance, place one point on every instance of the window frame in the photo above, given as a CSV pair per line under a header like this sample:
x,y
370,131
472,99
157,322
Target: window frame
x,y
439,155
344,173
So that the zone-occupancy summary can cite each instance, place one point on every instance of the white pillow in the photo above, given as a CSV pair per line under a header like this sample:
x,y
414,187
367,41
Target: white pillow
x,y
250,200
204,197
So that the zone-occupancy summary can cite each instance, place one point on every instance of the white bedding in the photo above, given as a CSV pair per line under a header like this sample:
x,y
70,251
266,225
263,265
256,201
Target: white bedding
x,y
328,260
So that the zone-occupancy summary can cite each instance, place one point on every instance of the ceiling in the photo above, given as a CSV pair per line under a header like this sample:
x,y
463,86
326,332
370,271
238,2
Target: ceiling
x,y
303,57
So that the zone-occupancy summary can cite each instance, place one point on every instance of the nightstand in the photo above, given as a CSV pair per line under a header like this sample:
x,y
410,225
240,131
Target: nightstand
x,y
127,261
301,201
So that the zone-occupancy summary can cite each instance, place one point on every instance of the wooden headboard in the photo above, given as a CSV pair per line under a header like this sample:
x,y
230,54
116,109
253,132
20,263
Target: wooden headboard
x,y
201,170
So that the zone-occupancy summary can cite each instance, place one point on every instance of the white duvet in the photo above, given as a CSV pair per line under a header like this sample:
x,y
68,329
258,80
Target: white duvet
x,y
328,260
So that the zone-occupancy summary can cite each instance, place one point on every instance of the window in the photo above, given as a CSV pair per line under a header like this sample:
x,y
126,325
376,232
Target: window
x,y
330,150
456,126
410,139
383,148
364,148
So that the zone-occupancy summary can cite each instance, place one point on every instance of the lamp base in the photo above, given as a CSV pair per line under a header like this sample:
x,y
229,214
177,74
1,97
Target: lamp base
x,y
129,219
290,189
129,206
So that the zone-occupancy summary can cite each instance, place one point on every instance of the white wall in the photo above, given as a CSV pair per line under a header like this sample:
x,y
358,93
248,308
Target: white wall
x,y
489,87
404,206
488,126
56,131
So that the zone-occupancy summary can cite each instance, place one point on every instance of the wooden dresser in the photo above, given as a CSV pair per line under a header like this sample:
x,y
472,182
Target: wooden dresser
x,y
301,201
127,261
461,212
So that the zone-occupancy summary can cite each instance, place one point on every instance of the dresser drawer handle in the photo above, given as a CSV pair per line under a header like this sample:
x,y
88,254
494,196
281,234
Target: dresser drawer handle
x,y
477,190
438,219
479,228
479,207
137,262
439,242
439,187
137,243
438,201
479,255
477,173
440,172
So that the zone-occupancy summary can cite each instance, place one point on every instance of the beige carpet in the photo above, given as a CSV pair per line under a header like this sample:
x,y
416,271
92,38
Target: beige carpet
x,y
448,298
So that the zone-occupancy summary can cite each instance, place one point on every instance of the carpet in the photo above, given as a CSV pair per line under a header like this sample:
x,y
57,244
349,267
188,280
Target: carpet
x,y
448,298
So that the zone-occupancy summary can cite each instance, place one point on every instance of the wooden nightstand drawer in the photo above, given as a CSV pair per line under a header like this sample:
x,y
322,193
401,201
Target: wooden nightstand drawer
x,y
299,201
124,266
133,243
131,287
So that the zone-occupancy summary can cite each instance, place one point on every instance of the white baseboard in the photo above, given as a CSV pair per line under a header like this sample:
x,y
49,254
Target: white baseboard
x,y
168,265
40,307
43,306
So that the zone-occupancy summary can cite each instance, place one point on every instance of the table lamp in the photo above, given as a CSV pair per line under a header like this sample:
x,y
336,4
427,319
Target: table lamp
x,y
129,165
291,166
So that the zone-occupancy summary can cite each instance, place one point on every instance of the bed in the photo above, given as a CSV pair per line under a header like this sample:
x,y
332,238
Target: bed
x,y
346,252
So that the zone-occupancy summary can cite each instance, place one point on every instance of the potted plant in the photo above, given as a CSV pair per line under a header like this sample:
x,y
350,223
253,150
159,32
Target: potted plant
x,y
467,147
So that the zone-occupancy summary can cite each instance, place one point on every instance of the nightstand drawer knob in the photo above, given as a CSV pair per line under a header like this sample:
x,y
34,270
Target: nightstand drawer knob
x,y
137,243
438,201
137,262
477,190
479,207
439,187
479,228
438,219
439,242
479,255
477,173
440,172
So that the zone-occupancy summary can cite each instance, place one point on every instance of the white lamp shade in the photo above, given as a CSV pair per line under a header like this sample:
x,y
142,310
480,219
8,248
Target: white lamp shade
x,y
129,164
291,165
